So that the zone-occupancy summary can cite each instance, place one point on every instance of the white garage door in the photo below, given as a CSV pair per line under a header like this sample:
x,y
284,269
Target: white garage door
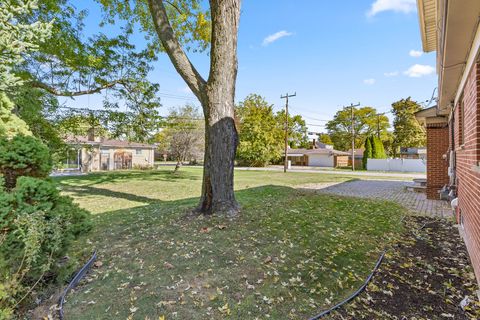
x,y
320,160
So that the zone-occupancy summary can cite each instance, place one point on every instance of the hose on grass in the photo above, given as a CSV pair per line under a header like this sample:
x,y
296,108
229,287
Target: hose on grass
x,y
353,295
76,279
364,285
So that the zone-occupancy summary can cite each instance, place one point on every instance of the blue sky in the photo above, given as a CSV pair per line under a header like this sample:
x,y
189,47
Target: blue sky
x,y
331,53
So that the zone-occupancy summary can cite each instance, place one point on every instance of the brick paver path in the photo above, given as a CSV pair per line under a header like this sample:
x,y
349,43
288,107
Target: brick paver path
x,y
387,190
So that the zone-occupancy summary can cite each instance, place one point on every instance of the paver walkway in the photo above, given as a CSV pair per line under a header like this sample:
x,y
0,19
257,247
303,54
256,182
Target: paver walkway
x,y
360,173
386,190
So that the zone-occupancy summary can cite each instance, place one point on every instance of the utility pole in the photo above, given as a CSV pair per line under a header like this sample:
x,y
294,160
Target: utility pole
x,y
378,123
352,106
285,165
378,126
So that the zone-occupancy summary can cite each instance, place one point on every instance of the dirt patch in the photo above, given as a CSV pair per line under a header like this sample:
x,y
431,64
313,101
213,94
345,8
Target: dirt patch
x,y
425,275
47,309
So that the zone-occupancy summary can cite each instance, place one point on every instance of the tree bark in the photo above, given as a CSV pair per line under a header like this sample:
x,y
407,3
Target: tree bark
x,y
216,96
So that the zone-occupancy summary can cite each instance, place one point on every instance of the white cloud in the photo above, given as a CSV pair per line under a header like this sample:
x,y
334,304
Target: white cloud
x,y
404,6
415,53
391,74
369,82
274,37
419,70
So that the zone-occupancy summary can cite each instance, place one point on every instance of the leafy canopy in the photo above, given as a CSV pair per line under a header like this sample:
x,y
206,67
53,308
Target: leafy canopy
x,y
406,129
19,37
366,122
325,138
189,20
297,129
261,136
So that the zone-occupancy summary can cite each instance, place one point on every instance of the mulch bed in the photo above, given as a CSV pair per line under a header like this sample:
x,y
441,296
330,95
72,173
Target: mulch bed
x,y
426,275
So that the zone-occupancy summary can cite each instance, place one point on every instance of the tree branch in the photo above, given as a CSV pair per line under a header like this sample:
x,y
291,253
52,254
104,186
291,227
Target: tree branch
x,y
55,92
174,50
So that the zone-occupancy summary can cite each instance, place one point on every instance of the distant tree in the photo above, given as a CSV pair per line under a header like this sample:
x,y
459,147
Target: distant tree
x,y
184,135
406,129
325,138
161,140
387,140
367,153
260,132
366,122
82,124
142,117
297,129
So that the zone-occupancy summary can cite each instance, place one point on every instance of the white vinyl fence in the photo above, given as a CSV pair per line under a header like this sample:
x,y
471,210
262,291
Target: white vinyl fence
x,y
398,165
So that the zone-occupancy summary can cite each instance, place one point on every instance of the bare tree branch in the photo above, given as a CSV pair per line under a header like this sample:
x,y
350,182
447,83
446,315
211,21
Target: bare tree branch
x,y
174,50
55,92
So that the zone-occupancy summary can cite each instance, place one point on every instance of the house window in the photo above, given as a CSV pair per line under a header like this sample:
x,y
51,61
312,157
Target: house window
x,y
138,151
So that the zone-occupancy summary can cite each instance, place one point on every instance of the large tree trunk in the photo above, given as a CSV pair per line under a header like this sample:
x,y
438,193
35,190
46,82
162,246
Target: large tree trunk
x,y
216,96
221,138
221,141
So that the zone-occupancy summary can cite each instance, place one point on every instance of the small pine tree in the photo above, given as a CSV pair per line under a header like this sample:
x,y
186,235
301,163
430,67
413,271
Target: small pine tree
x,y
367,153
378,151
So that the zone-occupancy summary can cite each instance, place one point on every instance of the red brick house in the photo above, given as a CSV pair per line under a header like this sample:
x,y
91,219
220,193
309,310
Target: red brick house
x,y
452,29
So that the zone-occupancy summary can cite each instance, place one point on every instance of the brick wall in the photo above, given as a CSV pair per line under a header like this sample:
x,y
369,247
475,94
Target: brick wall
x,y
437,165
467,158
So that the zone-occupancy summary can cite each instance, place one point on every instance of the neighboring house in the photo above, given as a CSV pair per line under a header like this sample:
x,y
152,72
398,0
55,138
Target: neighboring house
x,y
94,154
452,29
358,155
413,153
321,155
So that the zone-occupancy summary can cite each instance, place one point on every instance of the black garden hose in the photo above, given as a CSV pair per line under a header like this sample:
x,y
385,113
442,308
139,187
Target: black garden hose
x,y
76,279
353,295
364,285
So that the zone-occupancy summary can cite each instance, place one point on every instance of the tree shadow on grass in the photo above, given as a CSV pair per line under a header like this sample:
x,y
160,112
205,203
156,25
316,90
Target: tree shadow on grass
x,y
121,176
82,191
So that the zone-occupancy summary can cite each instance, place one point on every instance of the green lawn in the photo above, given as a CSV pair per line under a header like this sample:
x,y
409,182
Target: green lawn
x,y
289,254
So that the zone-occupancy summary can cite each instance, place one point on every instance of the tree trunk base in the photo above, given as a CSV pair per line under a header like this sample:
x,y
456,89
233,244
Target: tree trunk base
x,y
230,210
177,167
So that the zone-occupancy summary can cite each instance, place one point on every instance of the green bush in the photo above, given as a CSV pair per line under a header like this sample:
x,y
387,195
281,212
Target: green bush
x,y
23,156
378,149
373,150
367,153
36,226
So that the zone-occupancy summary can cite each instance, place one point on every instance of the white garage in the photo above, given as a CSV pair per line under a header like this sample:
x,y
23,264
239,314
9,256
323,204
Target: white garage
x,y
319,157
320,160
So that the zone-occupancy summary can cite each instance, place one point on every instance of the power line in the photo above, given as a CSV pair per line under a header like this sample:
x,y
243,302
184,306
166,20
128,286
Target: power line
x,y
107,111
178,97
315,119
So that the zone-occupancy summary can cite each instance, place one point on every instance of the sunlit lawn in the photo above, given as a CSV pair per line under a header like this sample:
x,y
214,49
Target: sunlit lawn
x,y
289,254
